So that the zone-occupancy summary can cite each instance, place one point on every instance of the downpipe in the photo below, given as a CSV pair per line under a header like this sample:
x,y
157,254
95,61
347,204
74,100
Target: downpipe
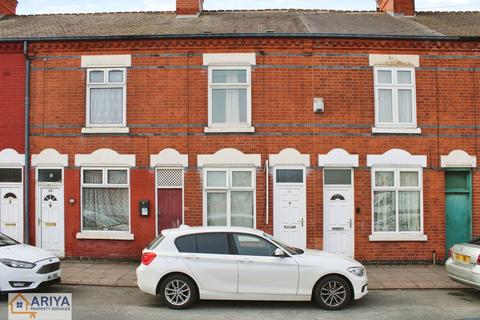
x,y
27,145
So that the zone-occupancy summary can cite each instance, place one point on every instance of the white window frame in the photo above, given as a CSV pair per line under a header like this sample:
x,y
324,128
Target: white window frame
x,y
228,189
106,85
229,127
96,234
397,235
381,127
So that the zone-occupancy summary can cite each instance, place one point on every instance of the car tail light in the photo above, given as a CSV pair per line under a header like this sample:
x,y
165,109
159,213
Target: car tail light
x,y
450,253
148,257
478,260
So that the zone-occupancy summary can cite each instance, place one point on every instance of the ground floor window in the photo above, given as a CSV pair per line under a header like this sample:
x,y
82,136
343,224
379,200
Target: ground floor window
x,y
105,199
397,200
229,197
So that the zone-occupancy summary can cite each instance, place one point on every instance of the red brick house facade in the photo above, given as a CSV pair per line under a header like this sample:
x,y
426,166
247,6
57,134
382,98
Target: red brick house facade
x,y
12,132
359,143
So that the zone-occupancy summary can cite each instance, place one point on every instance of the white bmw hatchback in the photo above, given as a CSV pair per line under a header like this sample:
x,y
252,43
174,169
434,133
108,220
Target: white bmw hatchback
x,y
228,263
24,267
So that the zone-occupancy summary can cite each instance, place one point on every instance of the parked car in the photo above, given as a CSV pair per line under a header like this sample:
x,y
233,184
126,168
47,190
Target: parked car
x,y
230,263
24,267
463,265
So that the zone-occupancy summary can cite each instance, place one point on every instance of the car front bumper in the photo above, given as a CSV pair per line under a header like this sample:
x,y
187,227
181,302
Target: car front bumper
x,y
465,274
360,287
15,280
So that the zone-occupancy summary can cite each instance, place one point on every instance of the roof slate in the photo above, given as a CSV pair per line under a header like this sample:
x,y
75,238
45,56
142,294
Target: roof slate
x,y
315,22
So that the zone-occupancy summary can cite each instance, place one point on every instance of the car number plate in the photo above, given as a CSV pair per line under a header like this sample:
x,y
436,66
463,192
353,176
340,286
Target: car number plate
x,y
462,258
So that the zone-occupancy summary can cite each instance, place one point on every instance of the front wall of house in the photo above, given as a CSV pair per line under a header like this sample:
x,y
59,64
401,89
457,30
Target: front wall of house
x,y
167,107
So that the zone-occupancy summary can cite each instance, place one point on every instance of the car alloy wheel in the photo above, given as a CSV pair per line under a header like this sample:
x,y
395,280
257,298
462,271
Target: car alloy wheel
x,y
333,293
178,291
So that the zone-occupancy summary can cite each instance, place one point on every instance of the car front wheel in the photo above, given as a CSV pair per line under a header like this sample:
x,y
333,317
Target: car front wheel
x,y
332,293
178,292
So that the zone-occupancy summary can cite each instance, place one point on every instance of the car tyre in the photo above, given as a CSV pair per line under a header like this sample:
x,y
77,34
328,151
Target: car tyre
x,y
332,293
178,292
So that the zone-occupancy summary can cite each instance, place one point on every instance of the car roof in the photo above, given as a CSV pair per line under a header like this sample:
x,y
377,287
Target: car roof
x,y
185,230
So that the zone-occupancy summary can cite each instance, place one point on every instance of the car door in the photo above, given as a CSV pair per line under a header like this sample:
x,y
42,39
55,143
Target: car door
x,y
259,271
209,258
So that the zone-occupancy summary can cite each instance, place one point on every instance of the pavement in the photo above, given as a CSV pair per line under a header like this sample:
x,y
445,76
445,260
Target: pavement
x,y
380,277
115,303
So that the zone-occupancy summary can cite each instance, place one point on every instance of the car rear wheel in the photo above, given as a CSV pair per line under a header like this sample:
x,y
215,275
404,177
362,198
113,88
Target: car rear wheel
x,y
332,293
178,292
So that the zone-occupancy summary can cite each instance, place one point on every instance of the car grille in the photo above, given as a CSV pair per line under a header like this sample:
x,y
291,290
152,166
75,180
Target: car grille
x,y
49,268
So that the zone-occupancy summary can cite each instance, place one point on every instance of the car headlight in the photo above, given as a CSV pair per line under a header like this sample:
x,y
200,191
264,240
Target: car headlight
x,y
17,264
358,271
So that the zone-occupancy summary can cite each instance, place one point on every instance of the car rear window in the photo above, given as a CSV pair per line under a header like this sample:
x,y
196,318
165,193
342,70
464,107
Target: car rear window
x,y
476,241
152,245
212,243
186,244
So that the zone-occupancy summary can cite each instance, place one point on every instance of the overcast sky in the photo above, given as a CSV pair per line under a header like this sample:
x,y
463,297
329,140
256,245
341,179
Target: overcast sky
x,y
73,6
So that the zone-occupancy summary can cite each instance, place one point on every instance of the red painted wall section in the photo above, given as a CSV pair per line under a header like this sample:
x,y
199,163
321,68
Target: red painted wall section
x,y
12,91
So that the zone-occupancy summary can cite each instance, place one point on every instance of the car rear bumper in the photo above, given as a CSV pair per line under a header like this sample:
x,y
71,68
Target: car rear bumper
x,y
147,279
465,274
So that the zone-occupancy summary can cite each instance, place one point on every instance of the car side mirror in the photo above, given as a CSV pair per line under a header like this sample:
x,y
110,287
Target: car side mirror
x,y
279,253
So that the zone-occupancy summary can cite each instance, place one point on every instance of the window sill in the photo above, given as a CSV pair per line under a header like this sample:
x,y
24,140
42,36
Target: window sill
x,y
89,130
105,235
397,130
397,237
230,130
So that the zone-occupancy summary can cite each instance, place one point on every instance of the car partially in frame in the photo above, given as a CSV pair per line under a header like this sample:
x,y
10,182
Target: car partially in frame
x,y
24,267
232,263
463,265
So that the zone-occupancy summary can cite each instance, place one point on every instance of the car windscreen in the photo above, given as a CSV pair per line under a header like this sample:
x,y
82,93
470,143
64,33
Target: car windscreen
x,y
476,241
6,241
152,245
289,249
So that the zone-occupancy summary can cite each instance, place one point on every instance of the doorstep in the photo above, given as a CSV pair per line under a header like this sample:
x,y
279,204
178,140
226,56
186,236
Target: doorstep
x,y
379,277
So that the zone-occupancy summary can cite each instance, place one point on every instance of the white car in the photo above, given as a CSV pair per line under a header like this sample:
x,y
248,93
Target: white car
x,y
24,267
229,263
463,266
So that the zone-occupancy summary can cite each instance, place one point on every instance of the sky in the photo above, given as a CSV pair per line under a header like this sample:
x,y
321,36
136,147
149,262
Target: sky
x,y
80,6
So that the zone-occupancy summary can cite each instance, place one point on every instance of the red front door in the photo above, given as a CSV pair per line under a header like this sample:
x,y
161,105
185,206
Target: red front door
x,y
169,208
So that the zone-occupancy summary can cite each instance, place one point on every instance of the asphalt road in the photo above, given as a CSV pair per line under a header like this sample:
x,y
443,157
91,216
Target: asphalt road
x,y
108,303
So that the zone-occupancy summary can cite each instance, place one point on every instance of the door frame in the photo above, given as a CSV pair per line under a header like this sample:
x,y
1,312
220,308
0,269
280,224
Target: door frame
x,y
469,171
20,186
304,194
352,201
155,206
38,204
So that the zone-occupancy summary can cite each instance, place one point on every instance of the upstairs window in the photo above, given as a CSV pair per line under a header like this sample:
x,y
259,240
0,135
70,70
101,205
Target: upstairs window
x,y
106,97
395,98
230,97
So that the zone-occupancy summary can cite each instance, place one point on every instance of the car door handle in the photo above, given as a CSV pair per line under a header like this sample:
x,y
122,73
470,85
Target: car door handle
x,y
245,261
191,257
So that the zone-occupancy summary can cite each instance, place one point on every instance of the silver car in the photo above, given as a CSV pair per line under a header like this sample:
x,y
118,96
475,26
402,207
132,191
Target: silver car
x,y
464,263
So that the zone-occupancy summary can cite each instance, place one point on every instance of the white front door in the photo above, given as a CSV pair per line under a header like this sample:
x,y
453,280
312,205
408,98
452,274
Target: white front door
x,y
338,220
51,220
289,215
11,213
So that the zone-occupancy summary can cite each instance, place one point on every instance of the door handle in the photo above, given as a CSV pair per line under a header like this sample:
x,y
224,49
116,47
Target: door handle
x,y
245,261
350,223
301,222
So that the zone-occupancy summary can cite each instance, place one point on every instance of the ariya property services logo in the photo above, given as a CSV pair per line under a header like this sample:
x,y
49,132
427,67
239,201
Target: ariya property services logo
x,y
40,306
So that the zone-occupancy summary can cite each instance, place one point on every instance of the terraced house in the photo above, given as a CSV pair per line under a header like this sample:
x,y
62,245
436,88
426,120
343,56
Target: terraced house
x,y
352,132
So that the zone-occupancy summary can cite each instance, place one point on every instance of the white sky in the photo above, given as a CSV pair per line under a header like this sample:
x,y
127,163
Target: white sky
x,y
74,6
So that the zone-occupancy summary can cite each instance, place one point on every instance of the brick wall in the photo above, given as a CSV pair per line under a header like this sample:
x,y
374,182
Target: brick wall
x,y
167,108
12,89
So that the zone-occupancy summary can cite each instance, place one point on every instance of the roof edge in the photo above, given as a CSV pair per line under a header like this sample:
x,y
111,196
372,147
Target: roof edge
x,y
243,35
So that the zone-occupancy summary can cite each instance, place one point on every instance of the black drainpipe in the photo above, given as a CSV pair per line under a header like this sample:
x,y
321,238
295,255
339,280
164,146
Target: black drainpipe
x,y
27,143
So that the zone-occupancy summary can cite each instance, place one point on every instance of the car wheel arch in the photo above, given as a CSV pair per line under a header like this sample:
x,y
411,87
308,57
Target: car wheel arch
x,y
159,284
330,275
